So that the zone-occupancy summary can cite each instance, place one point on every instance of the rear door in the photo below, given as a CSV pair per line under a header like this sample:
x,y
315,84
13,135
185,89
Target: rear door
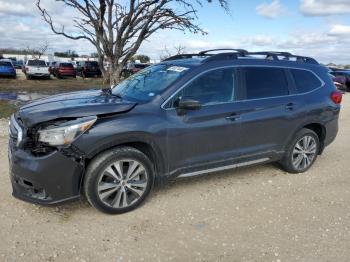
x,y
267,110
204,138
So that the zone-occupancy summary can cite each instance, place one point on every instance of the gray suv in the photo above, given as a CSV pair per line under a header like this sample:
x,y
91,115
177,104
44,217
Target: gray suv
x,y
188,115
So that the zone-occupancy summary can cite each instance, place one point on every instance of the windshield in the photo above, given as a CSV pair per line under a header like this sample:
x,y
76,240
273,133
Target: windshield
x,y
149,82
91,63
36,63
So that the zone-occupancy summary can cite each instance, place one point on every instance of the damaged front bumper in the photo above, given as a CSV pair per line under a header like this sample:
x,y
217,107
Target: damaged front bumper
x,y
48,179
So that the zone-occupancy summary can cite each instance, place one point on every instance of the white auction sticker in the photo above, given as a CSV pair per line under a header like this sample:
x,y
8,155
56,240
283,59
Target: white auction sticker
x,y
178,69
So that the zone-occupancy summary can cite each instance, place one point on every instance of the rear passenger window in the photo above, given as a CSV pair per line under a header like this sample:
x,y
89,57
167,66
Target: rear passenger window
x,y
305,81
263,82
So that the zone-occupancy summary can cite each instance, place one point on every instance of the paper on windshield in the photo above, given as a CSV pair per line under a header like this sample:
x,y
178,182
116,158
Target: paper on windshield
x,y
178,69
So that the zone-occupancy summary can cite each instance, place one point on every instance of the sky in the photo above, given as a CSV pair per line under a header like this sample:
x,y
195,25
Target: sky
x,y
317,28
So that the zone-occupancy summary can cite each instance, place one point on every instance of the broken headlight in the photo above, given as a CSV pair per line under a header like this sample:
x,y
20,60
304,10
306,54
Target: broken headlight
x,y
66,133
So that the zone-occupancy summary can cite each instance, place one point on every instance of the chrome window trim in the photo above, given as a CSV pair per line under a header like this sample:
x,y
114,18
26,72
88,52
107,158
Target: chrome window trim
x,y
19,130
245,100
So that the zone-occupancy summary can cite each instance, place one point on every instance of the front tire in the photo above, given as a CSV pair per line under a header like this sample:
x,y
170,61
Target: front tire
x,y
118,180
302,152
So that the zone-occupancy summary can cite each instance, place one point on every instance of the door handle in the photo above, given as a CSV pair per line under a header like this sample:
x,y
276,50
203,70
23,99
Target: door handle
x,y
233,117
290,106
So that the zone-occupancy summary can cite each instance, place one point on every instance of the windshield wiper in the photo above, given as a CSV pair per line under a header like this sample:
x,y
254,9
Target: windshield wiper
x,y
109,92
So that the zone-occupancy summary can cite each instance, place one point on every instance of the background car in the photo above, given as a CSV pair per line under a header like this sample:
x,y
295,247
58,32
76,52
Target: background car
x,y
18,64
36,68
89,69
133,68
345,75
64,70
7,68
340,82
52,65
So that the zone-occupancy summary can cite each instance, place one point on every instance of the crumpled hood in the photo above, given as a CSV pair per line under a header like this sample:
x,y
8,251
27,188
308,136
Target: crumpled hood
x,y
70,105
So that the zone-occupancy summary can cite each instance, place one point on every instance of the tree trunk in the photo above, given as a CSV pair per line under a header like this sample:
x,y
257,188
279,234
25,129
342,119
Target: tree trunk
x,y
115,72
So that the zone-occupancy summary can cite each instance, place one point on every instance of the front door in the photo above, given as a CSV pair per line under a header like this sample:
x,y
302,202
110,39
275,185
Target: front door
x,y
204,138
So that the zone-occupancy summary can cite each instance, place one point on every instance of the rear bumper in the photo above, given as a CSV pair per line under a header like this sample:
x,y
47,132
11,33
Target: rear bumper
x,y
39,74
331,131
47,180
67,74
7,73
97,73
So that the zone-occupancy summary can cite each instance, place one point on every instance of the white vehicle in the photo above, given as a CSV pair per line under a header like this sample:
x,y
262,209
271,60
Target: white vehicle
x,y
36,68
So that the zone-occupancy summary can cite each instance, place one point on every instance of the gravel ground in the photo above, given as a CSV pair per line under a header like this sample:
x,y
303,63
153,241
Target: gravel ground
x,y
252,214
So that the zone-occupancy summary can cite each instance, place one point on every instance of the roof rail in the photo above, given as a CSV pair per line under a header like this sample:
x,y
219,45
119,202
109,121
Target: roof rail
x,y
241,53
273,55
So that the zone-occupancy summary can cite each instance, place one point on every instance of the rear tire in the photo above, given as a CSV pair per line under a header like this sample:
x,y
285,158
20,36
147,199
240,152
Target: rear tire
x,y
118,180
302,152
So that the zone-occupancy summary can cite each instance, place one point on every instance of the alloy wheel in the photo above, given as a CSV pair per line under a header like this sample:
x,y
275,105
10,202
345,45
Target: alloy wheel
x,y
122,183
304,152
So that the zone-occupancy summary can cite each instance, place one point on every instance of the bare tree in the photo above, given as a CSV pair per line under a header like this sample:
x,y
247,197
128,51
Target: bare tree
x,y
37,51
166,53
118,28
40,50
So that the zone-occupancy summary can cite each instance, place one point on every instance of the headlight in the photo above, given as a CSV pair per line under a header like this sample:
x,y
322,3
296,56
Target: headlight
x,y
67,132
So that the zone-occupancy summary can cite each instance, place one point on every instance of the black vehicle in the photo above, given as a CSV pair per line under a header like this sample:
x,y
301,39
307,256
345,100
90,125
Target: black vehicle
x,y
345,74
189,115
18,64
88,69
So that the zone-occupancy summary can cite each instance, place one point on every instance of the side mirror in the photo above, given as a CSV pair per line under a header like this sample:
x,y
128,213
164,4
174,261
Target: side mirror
x,y
186,103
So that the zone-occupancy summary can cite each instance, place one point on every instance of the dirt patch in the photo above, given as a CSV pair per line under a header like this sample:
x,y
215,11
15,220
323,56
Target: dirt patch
x,y
258,213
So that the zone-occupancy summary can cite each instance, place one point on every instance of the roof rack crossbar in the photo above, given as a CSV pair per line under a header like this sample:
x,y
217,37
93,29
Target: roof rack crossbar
x,y
183,56
241,51
222,56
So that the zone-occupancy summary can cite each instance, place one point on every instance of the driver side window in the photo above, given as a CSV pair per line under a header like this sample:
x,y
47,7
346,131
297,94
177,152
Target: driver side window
x,y
213,87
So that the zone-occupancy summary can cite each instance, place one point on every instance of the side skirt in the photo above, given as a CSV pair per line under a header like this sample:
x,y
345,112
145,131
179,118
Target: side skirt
x,y
211,170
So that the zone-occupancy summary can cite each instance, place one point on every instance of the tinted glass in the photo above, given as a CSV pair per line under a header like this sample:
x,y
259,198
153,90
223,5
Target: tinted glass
x,y
213,87
5,63
66,65
305,81
265,82
36,63
92,64
149,82
140,66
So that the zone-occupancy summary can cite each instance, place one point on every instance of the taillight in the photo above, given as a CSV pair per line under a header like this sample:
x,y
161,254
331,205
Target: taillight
x,y
337,97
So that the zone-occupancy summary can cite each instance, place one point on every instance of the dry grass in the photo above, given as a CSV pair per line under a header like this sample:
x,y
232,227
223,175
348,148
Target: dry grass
x,y
50,85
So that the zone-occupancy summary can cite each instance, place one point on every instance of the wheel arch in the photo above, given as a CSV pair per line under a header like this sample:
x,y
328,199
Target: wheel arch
x,y
318,128
146,146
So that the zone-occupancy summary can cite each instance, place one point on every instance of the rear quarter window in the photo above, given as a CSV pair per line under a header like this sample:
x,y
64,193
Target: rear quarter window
x,y
305,81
